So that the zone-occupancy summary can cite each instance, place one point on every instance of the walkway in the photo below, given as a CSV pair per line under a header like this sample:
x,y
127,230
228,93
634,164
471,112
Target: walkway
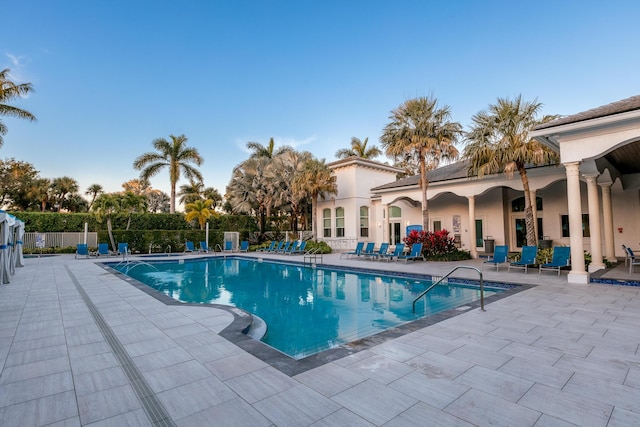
x,y
80,346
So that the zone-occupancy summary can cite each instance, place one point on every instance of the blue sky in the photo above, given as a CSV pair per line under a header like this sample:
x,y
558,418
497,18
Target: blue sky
x,y
112,76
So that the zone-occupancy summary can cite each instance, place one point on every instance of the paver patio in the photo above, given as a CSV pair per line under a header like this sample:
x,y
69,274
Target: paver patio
x,y
554,354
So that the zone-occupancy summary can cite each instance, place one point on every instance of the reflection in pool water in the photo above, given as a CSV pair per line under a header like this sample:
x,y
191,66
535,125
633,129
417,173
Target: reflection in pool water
x,y
307,310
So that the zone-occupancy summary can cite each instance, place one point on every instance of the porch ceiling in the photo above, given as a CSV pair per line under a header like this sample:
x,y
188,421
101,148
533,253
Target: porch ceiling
x,y
625,159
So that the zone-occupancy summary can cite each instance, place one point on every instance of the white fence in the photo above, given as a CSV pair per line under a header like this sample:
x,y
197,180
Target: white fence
x,y
59,240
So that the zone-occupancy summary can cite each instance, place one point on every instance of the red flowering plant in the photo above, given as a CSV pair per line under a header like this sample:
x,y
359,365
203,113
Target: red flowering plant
x,y
434,243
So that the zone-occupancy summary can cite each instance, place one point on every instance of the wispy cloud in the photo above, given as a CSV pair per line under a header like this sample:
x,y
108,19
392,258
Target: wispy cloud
x,y
17,65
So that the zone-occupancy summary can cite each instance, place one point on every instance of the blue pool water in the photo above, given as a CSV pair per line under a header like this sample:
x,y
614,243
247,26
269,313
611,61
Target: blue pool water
x,y
307,310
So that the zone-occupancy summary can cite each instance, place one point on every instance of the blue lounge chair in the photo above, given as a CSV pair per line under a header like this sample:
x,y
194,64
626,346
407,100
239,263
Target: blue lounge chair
x,y
292,248
399,250
244,246
300,249
500,256
103,250
228,246
204,247
82,250
285,248
188,247
367,252
632,259
560,258
123,249
384,248
357,251
270,248
277,248
416,253
528,258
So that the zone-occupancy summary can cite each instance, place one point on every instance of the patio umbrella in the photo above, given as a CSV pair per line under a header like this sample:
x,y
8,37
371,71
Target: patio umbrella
x,y
17,249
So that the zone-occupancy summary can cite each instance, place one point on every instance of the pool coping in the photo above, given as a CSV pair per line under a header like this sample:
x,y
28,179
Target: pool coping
x,y
236,331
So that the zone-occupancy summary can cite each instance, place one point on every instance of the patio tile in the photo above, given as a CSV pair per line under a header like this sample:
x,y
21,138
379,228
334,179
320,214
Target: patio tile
x,y
95,362
542,373
567,406
548,421
34,369
107,403
379,368
422,414
136,418
501,385
176,375
34,388
210,352
342,417
633,378
617,395
235,366
436,392
483,341
435,365
41,411
260,384
597,368
564,345
296,406
231,413
534,354
161,359
330,379
480,356
374,402
99,380
397,351
187,399
481,408
184,330
141,348
91,349
36,355
622,418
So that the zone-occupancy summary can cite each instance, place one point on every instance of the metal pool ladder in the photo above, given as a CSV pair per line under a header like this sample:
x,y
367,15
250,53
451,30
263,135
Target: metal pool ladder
x,y
449,274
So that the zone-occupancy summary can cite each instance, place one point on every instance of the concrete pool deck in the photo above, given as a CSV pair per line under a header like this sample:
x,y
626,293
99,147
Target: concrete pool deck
x,y
82,346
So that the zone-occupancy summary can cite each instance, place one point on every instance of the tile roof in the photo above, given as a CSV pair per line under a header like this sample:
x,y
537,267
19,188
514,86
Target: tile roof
x,y
623,106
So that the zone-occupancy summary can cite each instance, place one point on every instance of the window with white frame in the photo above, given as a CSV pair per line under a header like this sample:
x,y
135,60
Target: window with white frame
x,y
326,222
364,221
339,222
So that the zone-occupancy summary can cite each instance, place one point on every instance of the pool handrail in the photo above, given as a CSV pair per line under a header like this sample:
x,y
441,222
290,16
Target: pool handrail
x,y
433,285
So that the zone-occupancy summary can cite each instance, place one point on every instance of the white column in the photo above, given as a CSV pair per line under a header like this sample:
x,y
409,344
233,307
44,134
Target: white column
x,y
574,206
385,224
594,223
473,249
607,220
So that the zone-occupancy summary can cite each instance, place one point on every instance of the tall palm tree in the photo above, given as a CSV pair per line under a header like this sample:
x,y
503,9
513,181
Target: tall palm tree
x,y
200,210
250,189
284,168
63,187
94,190
499,141
174,155
157,201
359,149
132,203
212,194
420,128
41,191
315,180
191,192
105,206
268,151
9,91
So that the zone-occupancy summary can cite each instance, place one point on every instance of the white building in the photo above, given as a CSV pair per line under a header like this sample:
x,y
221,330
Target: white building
x,y
590,201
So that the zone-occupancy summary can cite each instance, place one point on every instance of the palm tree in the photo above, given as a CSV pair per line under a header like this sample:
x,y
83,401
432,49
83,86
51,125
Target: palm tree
x,y
157,201
499,142
41,191
63,187
359,149
176,156
106,205
268,150
315,180
212,194
284,168
132,203
191,192
200,210
250,190
93,190
137,186
8,92
420,128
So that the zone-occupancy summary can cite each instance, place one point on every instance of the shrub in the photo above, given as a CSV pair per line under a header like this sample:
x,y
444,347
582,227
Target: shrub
x,y
434,244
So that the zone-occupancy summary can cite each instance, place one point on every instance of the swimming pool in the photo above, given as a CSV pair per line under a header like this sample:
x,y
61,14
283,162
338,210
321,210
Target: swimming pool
x,y
307,310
